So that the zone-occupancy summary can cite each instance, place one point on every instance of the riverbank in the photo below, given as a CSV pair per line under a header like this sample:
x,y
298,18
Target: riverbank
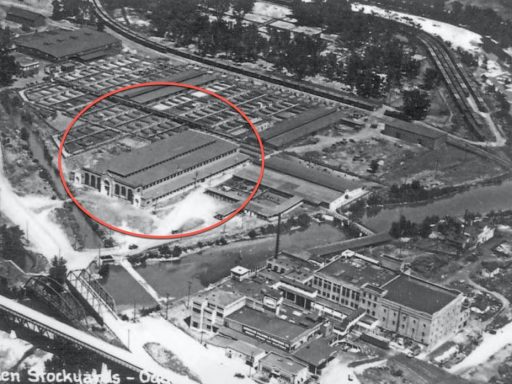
x,y
481,199
451,192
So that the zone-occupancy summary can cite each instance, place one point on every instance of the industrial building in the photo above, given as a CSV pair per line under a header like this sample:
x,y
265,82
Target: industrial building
x,y
306,123
25,17
286,185
419,310
163,169
383,289
58,45
414,133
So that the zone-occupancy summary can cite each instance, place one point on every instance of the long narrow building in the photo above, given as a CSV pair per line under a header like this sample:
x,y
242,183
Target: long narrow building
x,y
163,169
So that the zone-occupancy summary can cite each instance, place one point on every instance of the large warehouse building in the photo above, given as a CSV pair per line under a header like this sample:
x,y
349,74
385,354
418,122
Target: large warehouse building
x,y
61,44
163,169
287,184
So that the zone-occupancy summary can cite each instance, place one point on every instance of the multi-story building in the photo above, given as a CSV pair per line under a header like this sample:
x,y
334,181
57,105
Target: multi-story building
x,y
346,278
419,310
396,301
210,309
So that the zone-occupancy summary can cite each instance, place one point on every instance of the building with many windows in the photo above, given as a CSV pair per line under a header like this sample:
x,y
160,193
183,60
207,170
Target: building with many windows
x,y
163,169
419,310
351,279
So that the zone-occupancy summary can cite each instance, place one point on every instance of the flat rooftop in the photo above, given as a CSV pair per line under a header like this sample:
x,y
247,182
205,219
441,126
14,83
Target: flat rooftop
x,y
353,244
289,184
283,364
172,157
198,175
416,129
296,168
266,323
356,271
219,296
24,14
62,43
419,294
153,154
315,353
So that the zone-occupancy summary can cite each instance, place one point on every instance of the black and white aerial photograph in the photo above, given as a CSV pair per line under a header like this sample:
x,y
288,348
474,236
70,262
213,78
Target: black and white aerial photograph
x,y
256,191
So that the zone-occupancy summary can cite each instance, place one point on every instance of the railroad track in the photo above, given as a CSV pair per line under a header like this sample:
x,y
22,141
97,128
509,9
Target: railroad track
x,y
454,74
273,79
458,84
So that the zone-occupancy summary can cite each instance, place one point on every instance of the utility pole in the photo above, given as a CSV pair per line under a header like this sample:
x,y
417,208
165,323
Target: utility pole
x,y
167,306
251,364
134,311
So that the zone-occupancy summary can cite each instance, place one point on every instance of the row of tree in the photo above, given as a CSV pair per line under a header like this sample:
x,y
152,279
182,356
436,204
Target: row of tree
x,y
483,20
406,228
7,61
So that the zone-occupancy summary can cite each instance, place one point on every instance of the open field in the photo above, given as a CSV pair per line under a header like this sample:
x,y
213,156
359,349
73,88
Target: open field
x,y
354,150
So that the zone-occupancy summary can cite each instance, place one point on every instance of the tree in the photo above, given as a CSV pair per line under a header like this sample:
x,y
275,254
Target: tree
x,y
8,65
177,251
374,166
252,234
11,246
58,270
303,220
57,13
24,135
104,270
431,78
416,104
242,7
219,7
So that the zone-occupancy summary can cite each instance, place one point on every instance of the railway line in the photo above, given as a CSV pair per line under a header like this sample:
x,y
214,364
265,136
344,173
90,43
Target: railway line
x,y
454,74
314,90
458,84
456,78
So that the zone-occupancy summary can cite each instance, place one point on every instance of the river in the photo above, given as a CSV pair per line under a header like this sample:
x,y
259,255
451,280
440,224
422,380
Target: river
x,y
91,239
212,264
480,199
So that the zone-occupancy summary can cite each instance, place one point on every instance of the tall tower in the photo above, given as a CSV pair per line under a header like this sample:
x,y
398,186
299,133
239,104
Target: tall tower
x,y
278,234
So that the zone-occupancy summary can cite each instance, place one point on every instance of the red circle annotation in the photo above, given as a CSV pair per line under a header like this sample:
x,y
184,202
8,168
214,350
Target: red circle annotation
x,y
173,235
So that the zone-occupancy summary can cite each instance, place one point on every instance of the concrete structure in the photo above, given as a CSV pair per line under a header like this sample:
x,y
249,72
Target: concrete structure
x,y
246,352
163,169
414,133
273,330
25,17
209,309
345,280
284,369
420,310
287,184
408,306
61,44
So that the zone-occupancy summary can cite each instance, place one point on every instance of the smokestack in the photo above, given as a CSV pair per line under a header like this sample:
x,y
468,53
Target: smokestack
x,y
278,234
